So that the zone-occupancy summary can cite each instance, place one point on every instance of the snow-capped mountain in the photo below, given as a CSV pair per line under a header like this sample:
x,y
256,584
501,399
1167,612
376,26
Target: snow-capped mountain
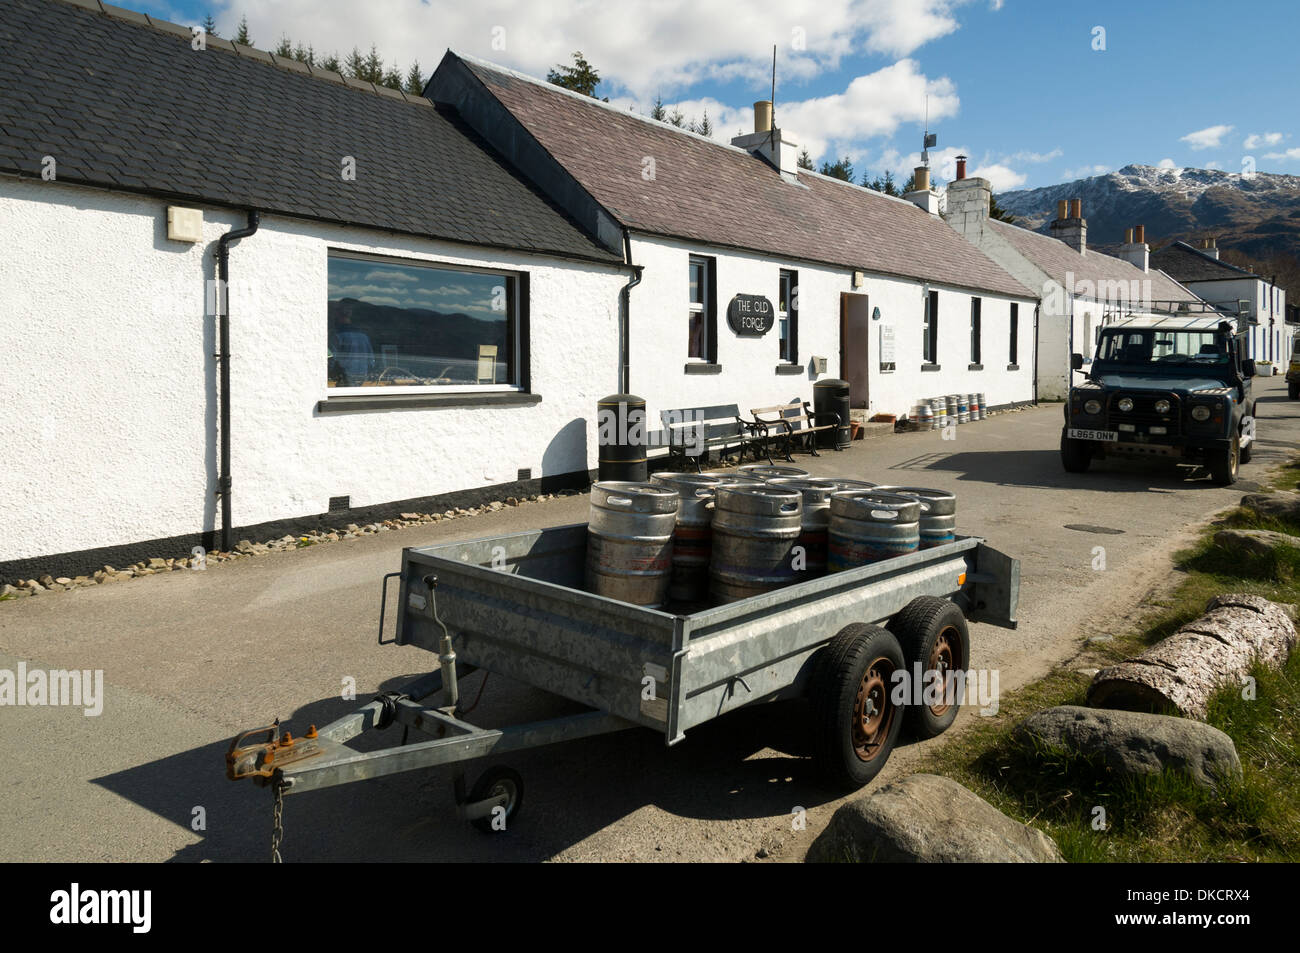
x,y
1257,214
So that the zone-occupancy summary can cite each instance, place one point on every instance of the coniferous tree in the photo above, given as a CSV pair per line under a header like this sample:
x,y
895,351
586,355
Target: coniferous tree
x,y
355,65
677,119
285,48
332,63
242,36
705,128
210,26
581,77
374,67
393,78
805,160
415,80
657,111
843,169
998,213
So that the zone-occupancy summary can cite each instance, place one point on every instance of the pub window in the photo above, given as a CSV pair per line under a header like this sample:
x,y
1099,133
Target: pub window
x,y
974,330
930,330
700,310
1015,334
403,325
788,316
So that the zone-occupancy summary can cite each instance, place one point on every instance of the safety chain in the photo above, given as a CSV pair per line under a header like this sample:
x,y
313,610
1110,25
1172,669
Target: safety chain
x,y
277,825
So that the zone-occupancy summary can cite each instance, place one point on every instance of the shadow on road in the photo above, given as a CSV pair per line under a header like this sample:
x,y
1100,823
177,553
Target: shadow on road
x,y
572,791
1041,469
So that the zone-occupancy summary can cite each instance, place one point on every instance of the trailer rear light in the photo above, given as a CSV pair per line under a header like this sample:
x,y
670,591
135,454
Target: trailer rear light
x,y
961,579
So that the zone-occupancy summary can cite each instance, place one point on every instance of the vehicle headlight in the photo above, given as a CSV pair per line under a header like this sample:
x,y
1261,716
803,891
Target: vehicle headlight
x,y
1201,413
1092,407
1162,407
1125,404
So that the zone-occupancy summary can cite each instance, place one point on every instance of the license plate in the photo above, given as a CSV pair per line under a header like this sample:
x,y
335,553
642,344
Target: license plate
x,y
1107,436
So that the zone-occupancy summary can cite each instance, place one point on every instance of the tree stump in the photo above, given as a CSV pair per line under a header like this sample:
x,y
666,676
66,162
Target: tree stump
x,y
1180,673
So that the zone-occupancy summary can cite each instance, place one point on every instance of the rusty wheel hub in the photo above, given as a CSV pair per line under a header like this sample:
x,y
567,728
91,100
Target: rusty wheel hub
x,y
944,657
873,710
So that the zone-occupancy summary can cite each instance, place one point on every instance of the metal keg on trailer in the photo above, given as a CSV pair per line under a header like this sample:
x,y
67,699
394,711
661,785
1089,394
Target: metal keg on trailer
x,y
814,521
938,525
755,530
870,525
844,484
832,397
630,541
621,437
735,477
765,472
693,534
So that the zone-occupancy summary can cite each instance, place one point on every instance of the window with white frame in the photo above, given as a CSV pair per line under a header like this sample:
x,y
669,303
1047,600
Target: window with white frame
x,y
699,344
788,316
402,324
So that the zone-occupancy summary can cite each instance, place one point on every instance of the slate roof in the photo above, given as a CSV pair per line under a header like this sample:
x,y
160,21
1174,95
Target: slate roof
x,y
707,192
1057,259
1187,263
125,103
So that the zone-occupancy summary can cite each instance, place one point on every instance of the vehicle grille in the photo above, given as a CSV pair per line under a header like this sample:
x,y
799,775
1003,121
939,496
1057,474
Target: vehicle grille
x,y
1143,414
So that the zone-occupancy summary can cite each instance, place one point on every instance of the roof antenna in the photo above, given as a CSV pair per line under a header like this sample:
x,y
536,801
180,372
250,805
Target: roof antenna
x,y
771,133
930,140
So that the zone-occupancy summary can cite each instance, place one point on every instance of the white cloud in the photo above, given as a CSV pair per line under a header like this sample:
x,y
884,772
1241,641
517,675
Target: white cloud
x,y
1024,156
1254,141
996,5
1208,138
1084,172
1000,176
1166,164
1214,165
641,48
1283,156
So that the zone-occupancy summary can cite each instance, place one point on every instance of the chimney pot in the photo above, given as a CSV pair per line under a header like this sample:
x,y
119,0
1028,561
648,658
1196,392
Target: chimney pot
x,y
763,115
1076,208
921,179
1128,236
1140,234
961,168
1062,209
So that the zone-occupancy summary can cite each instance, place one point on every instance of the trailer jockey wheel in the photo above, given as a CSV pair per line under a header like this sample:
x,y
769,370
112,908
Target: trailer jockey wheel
x,y
933,631
852,694
496,782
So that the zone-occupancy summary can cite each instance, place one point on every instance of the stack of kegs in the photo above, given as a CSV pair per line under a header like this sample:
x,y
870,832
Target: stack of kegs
x,y
868,526
975,409
963,408
815,520
692,535
938,523
630,541
984,407
922,416
951,400
940,407
755,531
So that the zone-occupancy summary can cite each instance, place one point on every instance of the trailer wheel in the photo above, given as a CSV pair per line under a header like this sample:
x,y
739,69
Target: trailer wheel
x,y
856,720
932,631
493,782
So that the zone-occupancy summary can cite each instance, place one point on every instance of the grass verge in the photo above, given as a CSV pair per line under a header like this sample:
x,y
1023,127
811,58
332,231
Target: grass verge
x,y
1165,817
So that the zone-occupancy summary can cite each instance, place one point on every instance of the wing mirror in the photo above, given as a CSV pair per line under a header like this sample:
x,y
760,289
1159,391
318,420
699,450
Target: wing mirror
x,y
1076,362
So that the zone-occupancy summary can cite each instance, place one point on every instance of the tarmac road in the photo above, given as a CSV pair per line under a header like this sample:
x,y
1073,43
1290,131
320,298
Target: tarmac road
x,y
190,658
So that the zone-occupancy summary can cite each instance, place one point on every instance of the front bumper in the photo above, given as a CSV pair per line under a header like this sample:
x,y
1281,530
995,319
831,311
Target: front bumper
x,y
1188,446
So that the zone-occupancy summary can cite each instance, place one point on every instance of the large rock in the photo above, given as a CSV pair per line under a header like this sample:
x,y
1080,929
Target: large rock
x,y
1282,506
1254,542
925,818
1182,672
1136,743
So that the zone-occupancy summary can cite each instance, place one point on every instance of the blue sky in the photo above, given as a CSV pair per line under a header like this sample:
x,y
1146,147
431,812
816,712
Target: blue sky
x,y
1015,84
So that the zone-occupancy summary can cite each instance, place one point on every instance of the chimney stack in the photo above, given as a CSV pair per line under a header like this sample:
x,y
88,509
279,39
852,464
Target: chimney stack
x,y
1135,250
1071,229
775,145
1211,247
921,194
967,209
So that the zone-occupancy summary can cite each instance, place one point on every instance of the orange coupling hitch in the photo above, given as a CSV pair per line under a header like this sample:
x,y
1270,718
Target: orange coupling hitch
x,y
260,759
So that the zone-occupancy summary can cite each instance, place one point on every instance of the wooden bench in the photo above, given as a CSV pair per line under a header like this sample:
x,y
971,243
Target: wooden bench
x,y
793,423
690,432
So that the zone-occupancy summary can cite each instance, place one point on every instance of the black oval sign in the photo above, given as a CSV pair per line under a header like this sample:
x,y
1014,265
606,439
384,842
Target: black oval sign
x,y
751,315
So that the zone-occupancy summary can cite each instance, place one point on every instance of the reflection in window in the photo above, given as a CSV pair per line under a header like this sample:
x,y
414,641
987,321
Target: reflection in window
x,y
400,325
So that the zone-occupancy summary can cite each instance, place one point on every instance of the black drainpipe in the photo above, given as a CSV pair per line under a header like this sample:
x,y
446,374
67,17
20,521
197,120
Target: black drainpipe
x,y
223,360
625,316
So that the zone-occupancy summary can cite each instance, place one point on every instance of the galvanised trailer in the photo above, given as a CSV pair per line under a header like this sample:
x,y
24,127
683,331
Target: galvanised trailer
x,y
514,605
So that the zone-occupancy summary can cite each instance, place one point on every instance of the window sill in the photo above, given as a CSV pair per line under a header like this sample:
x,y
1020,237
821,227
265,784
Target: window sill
x,y
699,367
1013,367
930,367
974,367
339,405
789,368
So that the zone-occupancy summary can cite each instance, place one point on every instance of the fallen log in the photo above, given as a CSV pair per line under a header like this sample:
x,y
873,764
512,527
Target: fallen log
x,y
1180,673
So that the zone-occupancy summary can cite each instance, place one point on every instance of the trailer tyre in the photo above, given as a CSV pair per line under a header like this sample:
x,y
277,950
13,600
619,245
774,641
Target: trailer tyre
x,y
856,722
495,781
932,631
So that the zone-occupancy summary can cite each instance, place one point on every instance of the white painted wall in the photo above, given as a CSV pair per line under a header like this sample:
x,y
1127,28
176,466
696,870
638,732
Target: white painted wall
x,y
108,432
1270,337
748,374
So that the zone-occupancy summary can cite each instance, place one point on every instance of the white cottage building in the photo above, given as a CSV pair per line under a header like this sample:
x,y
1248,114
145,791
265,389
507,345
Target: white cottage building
x,y
1077,287
869,288
410,325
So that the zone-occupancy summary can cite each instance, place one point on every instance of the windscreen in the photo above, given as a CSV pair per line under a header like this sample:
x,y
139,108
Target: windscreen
x,y
1150,346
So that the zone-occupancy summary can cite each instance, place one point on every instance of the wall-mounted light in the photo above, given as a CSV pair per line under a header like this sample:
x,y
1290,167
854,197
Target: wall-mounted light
x,y
875,314
858,278
184,224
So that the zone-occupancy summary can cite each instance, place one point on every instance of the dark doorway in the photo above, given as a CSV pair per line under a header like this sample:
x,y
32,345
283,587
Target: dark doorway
x,y
855,334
